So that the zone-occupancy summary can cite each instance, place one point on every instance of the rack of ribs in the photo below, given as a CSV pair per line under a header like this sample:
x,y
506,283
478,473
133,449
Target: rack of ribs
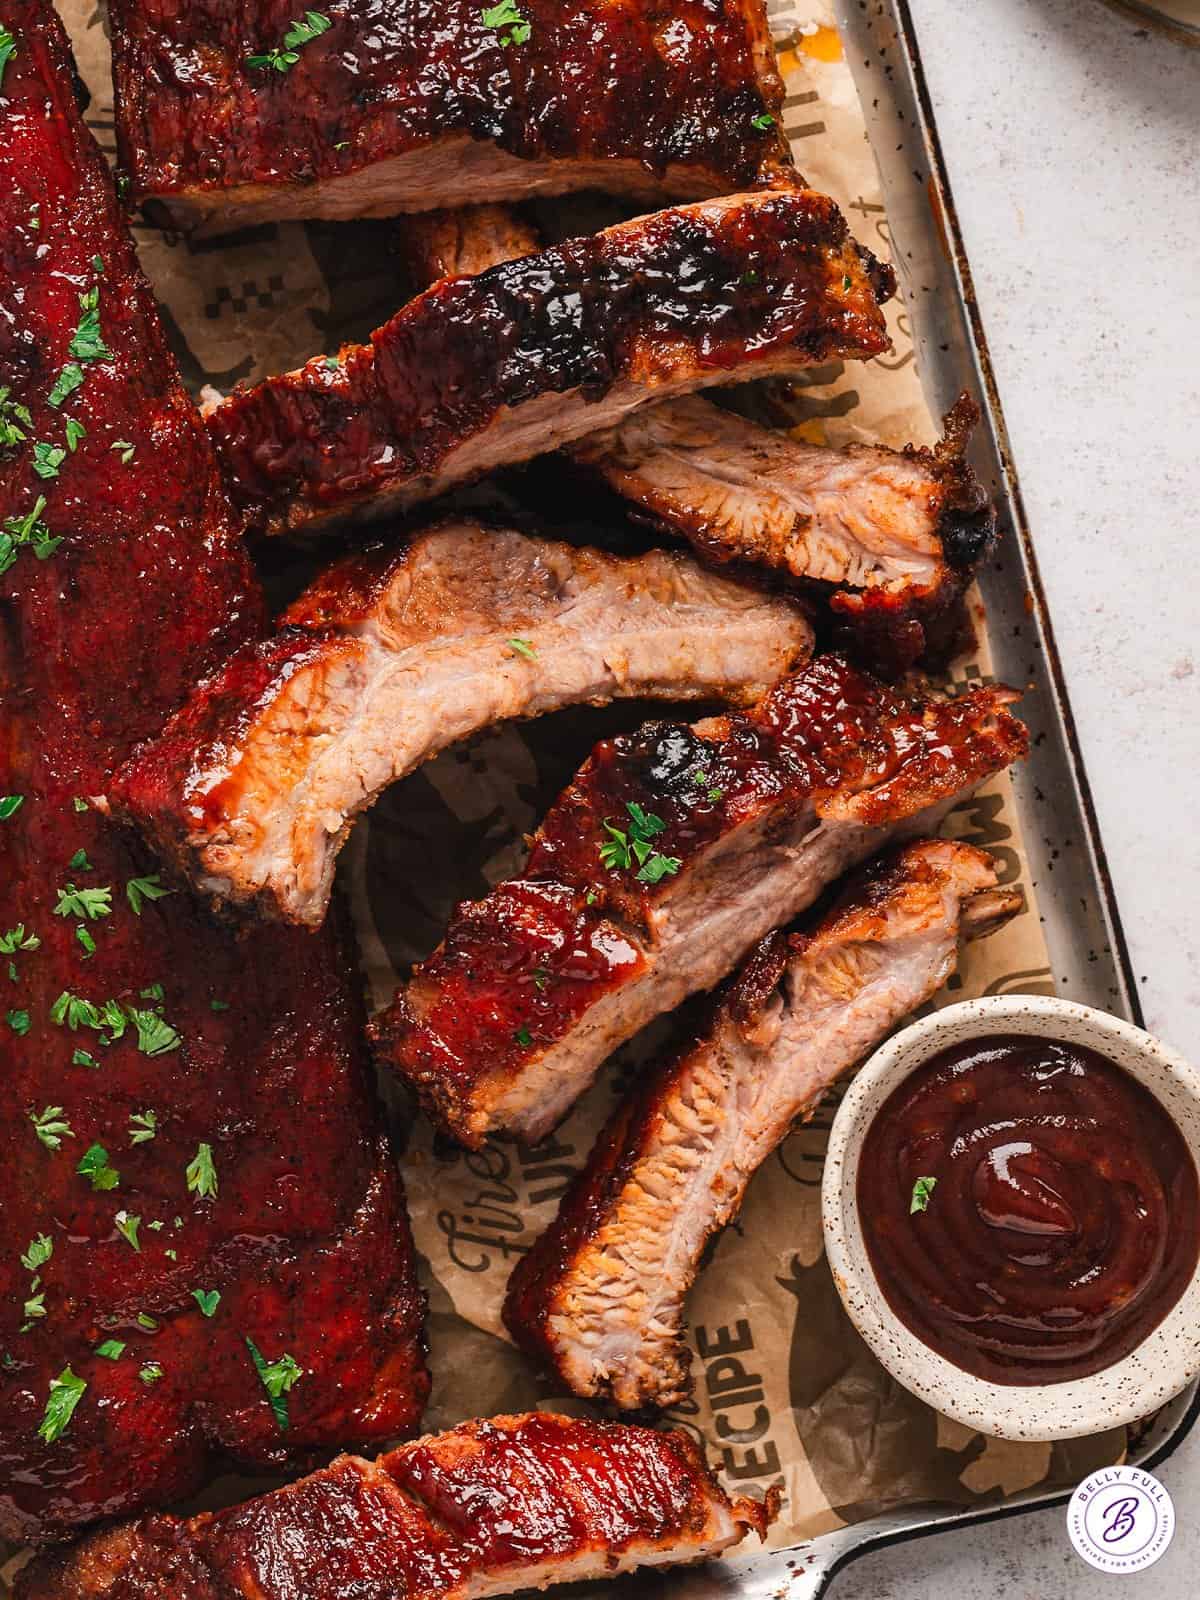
x,y
518,1502
479,372
600,1297
253,786
403,107
194,1153
671,854
886,540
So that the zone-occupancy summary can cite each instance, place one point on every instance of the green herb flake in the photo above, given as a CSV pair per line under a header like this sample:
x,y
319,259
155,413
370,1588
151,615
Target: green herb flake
x,y
151,1372
125,449
79,803
541,977
143,1125
624,847
10,804
138,890
18,1021
35,1307
93,1164
74,1011
921,1194
80,862
155,1036
88,903
202,1173
146,1321
127,1226
51,1127
83,1058
208,1300
522,647
284,57
47,458
68,380
506,16
111,1349
762,122
523,1037
17,939
8,49
86,342
218,1005
152,991
41,1248
278,1378
75,431
66,1391
85,939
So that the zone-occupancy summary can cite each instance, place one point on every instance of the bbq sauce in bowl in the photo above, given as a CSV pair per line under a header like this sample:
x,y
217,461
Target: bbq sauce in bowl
x,y
1062,1221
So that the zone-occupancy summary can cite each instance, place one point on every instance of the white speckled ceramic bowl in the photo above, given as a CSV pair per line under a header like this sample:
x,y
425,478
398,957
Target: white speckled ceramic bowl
x,y
1166,1360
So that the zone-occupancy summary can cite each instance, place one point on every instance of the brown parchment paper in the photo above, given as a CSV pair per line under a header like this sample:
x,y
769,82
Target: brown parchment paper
x,y
785,1392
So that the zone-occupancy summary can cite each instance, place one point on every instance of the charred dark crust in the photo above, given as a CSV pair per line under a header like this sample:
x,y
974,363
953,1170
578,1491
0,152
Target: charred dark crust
x,y
768,278
593,83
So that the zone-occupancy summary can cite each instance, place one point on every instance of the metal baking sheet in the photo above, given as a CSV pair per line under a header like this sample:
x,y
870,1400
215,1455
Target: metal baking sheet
x,y
1088,954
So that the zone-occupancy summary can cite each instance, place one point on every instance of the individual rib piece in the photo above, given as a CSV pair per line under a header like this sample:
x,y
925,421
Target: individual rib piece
x,y
675,849
600,1296
391,656
532,354
514,1503
403,106
888,538
215,1092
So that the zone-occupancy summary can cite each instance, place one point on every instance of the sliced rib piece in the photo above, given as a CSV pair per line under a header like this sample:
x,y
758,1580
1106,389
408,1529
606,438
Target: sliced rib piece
x,y
406,107
532,354
887,539
163,1043
600,1296
391,656
513,1503
674,850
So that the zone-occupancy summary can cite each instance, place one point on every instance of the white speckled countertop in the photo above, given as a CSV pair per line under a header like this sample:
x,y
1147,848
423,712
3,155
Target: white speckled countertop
x,y
1072,138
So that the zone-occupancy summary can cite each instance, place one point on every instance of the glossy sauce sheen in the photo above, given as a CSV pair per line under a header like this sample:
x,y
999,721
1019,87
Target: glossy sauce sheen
x,y
1063,1225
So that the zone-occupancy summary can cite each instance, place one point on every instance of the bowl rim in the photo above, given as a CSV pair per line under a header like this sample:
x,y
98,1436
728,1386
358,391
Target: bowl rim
x,y
1161,1365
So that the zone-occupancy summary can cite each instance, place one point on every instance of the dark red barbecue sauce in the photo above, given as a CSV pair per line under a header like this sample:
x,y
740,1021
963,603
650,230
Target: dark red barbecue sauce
x,y
1063,1225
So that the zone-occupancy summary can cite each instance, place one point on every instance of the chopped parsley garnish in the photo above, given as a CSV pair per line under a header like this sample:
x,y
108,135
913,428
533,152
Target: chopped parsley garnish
x,y
35,216
10,804
28,532
155,1036
285,56
75,1012
126,449
201,1173
51,1127
127,1226
522,647
541,977
66,1391
218,1005
74,431
47,458
35,1306
143,1125
89,903
208,1300
624,847
700,780
111,1349
922,1191
763,121
93,1164
41,1248
8,49
523,1037
506,15
145,1320
14,419
139,889
83,1058
112,1019
847,282
80,861
277,1378
86,940
66,383
151,1372
86,342
152,991
78,802
18,1021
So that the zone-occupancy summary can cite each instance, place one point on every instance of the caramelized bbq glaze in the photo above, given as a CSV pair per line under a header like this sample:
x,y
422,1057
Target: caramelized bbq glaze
x,y
681,89
517,970
488,1508
722,289
306,1237
1065,1219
